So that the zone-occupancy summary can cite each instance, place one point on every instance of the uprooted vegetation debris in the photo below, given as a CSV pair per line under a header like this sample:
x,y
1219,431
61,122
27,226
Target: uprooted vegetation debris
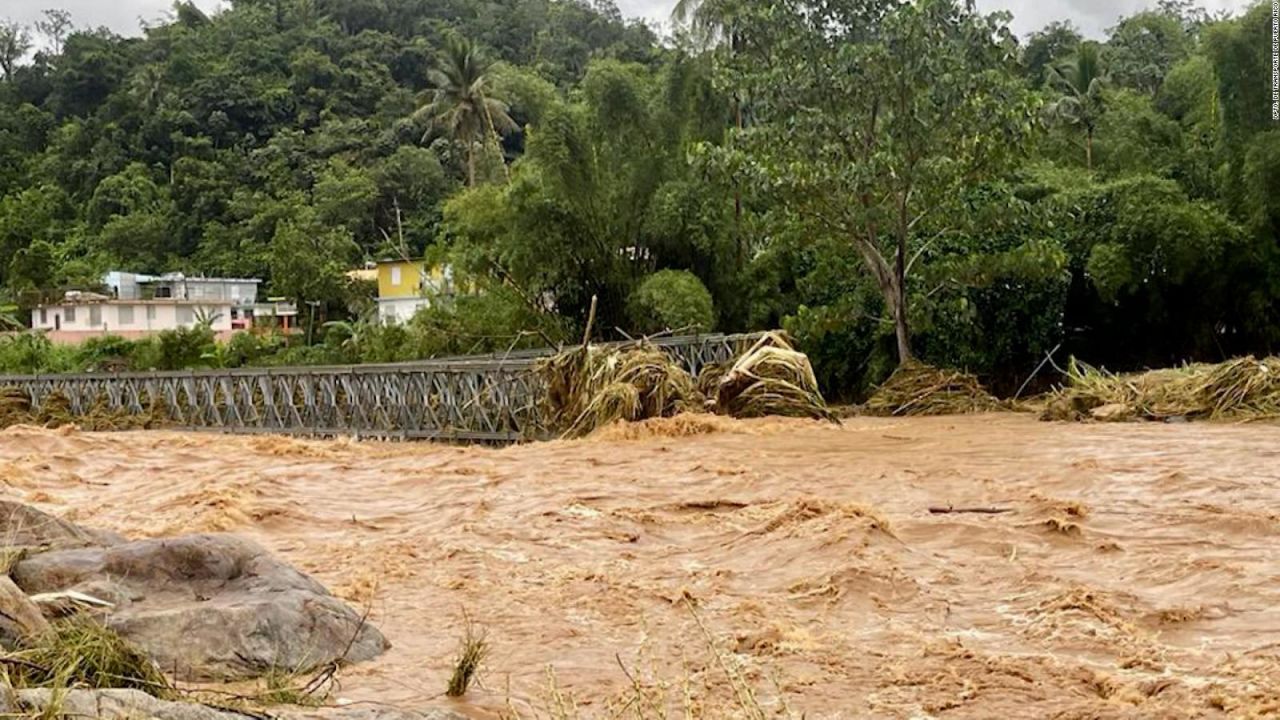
x,y
16,408
473,648
1244,388
591,386
920,389
771,378
709,681
80,651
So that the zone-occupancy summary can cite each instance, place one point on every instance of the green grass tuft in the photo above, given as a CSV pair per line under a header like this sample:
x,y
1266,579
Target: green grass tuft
x,y
80,651
473,648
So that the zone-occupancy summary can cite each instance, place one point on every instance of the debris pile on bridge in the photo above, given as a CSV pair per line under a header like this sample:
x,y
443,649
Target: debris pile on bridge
x,y
15,407
480,399
771,378
1243,388
591,386
56,411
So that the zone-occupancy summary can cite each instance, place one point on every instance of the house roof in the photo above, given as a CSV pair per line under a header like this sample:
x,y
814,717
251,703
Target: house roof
x,y
99,300
176,276
144,279
363,274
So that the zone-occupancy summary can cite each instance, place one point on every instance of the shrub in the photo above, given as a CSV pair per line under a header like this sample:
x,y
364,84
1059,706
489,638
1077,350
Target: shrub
x,y
248,348
82,652
179,349
102,354
671,300
495,320
34,353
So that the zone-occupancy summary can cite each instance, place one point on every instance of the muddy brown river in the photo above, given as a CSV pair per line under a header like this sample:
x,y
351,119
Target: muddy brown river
x,y
985,566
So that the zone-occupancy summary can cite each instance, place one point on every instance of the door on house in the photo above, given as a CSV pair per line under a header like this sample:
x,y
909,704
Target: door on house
x,y
57,321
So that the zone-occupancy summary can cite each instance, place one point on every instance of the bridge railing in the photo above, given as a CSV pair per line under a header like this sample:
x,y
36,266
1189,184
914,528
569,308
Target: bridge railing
x,y
481,398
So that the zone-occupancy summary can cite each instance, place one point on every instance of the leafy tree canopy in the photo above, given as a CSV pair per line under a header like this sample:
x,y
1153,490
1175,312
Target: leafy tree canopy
x,y
886,179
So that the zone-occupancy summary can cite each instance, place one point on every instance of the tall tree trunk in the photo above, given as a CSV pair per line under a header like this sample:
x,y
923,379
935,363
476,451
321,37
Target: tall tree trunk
x,y
900,326
901,330
497,139
892,283
1088,149
737,194
471,164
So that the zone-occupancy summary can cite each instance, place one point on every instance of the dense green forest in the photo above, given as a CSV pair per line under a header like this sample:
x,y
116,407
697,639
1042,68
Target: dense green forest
x,y
883,179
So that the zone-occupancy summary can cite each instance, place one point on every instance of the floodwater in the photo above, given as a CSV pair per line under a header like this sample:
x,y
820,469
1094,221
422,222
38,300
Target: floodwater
x,y
785,566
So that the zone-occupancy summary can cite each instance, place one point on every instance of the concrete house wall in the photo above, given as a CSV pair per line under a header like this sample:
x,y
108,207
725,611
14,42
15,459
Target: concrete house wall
x,y
74,322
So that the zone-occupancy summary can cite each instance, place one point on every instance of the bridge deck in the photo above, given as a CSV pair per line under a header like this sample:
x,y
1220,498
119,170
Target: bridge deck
x,y
491,399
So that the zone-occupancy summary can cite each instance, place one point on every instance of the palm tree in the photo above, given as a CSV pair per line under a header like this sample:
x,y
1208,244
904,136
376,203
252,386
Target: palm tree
x,y
350,335
711,25
9,320
708,21
15,41
460,102
206,318
146,86
1080,81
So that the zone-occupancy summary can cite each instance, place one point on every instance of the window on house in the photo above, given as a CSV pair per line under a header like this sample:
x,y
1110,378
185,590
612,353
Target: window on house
x,y
185,315
125,314
70,315
164,291
151,312
395,276
95,316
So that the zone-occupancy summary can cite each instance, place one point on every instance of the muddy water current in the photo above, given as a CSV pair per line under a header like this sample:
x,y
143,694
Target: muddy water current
x,y
986,566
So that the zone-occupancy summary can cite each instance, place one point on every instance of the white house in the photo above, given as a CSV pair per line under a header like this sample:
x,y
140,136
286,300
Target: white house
x,y
240,293
138,305
83,315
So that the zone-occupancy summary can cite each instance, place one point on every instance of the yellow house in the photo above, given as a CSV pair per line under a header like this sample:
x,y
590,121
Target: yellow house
x,y
404,286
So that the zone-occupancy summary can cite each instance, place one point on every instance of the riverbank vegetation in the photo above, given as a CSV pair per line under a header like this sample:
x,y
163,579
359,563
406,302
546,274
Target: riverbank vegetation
x,y
884,180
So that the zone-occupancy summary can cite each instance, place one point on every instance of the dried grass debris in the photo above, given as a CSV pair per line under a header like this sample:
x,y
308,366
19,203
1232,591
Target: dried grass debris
x,y
591,386
770,378
920,389
1244,388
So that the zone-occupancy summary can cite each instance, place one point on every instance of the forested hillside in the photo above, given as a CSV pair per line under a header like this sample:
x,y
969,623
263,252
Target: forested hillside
x,y
881,178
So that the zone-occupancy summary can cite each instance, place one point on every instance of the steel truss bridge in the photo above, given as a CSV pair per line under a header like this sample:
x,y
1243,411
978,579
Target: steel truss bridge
x,y
489,398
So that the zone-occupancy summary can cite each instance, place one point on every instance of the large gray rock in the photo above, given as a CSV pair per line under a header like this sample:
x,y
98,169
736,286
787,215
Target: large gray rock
x,y
24,527
368,712
209,607
115,704
20,619
135,704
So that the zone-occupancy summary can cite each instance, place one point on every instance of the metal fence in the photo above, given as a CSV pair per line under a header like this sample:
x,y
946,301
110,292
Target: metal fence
x,y
477,398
